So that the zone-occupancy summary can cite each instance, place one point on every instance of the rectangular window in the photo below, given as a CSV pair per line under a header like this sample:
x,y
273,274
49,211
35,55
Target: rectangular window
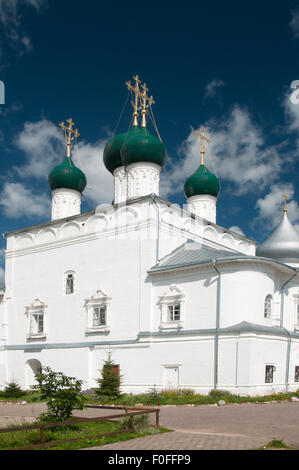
x,y
37,324
174,312
296,374
99,316
269,374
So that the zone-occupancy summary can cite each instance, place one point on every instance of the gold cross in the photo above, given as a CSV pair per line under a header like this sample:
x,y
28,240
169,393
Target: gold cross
x,y
70,134
146,102
284,195
135,89
203,142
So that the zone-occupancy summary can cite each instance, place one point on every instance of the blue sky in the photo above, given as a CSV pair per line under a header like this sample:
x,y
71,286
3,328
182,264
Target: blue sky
x,y
226,65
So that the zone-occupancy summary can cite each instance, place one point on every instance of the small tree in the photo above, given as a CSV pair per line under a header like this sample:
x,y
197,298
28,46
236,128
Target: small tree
x,y
111,379
62,394
12,390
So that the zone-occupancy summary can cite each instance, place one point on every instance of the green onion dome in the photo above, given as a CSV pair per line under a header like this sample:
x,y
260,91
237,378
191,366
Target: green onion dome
x,y
202,182
142,146
67,175
112,158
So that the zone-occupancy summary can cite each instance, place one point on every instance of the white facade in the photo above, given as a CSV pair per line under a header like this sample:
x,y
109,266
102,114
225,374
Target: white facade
x,y
120,279
65,203
203,205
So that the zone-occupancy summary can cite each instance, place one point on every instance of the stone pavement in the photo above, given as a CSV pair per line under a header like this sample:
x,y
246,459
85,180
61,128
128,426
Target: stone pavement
x,y
206,427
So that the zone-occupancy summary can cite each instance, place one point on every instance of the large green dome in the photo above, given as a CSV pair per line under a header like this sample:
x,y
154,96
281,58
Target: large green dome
x,y
202,182
67,175
142,146
112,158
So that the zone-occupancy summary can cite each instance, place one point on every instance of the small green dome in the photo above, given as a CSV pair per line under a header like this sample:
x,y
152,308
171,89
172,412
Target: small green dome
x,y
202,182
142,146
112,158
67,175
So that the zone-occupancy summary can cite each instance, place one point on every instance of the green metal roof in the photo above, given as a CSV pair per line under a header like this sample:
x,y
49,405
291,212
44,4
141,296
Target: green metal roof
x,y
112,158
202,182
142,146
67,175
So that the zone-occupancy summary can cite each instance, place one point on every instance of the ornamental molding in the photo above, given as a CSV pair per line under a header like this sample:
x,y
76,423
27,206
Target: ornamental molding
x,y
98,298
172,294
36,306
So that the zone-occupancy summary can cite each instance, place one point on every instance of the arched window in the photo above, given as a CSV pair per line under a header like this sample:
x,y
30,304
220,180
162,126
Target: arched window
x,y
268,306
69,283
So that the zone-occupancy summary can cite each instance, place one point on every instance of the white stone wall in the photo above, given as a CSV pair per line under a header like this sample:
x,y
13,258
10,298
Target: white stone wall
x,y
203,205
112,250
142,179
120,185
65,203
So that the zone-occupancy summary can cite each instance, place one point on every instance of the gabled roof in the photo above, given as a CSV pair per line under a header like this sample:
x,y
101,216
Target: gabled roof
x,y
194,253
191,253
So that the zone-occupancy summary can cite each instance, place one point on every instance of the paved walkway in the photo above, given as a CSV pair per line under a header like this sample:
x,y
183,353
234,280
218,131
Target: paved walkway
x,y
208,427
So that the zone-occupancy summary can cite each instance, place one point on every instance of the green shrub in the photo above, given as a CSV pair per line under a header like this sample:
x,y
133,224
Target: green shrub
x,y
153,396
62,394
140,422
186,392
220,394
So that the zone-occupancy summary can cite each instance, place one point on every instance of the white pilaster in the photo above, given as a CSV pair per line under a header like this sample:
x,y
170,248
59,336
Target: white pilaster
x,y
120,184
65,203
143,179
203,205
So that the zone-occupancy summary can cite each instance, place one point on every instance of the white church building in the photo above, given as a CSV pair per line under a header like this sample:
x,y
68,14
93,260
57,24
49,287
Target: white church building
x,y
179,301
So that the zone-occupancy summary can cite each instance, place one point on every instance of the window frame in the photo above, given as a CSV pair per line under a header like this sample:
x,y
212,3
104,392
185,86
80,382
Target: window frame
x,y
67,275
100,301
172,313
268,305
273,367
35,312
296,314
171,299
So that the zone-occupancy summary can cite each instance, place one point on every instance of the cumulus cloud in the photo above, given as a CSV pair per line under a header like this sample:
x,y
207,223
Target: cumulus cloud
x,y
238,154
10,20
211,87
294,23
18,201
270,207
99,187
43,144
44,147
237,229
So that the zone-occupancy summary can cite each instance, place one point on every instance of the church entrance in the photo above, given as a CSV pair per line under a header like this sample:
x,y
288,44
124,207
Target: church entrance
x,y
32,367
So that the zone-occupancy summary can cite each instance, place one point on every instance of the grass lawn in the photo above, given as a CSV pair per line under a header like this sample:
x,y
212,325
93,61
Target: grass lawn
x,y
81,430
167,397
187,397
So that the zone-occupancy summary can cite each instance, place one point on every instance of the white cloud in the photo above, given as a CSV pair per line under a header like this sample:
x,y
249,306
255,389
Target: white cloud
x,y
19,201
211,88
44,146
237,229
294,23
270,207
99,187
10,19
240,156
